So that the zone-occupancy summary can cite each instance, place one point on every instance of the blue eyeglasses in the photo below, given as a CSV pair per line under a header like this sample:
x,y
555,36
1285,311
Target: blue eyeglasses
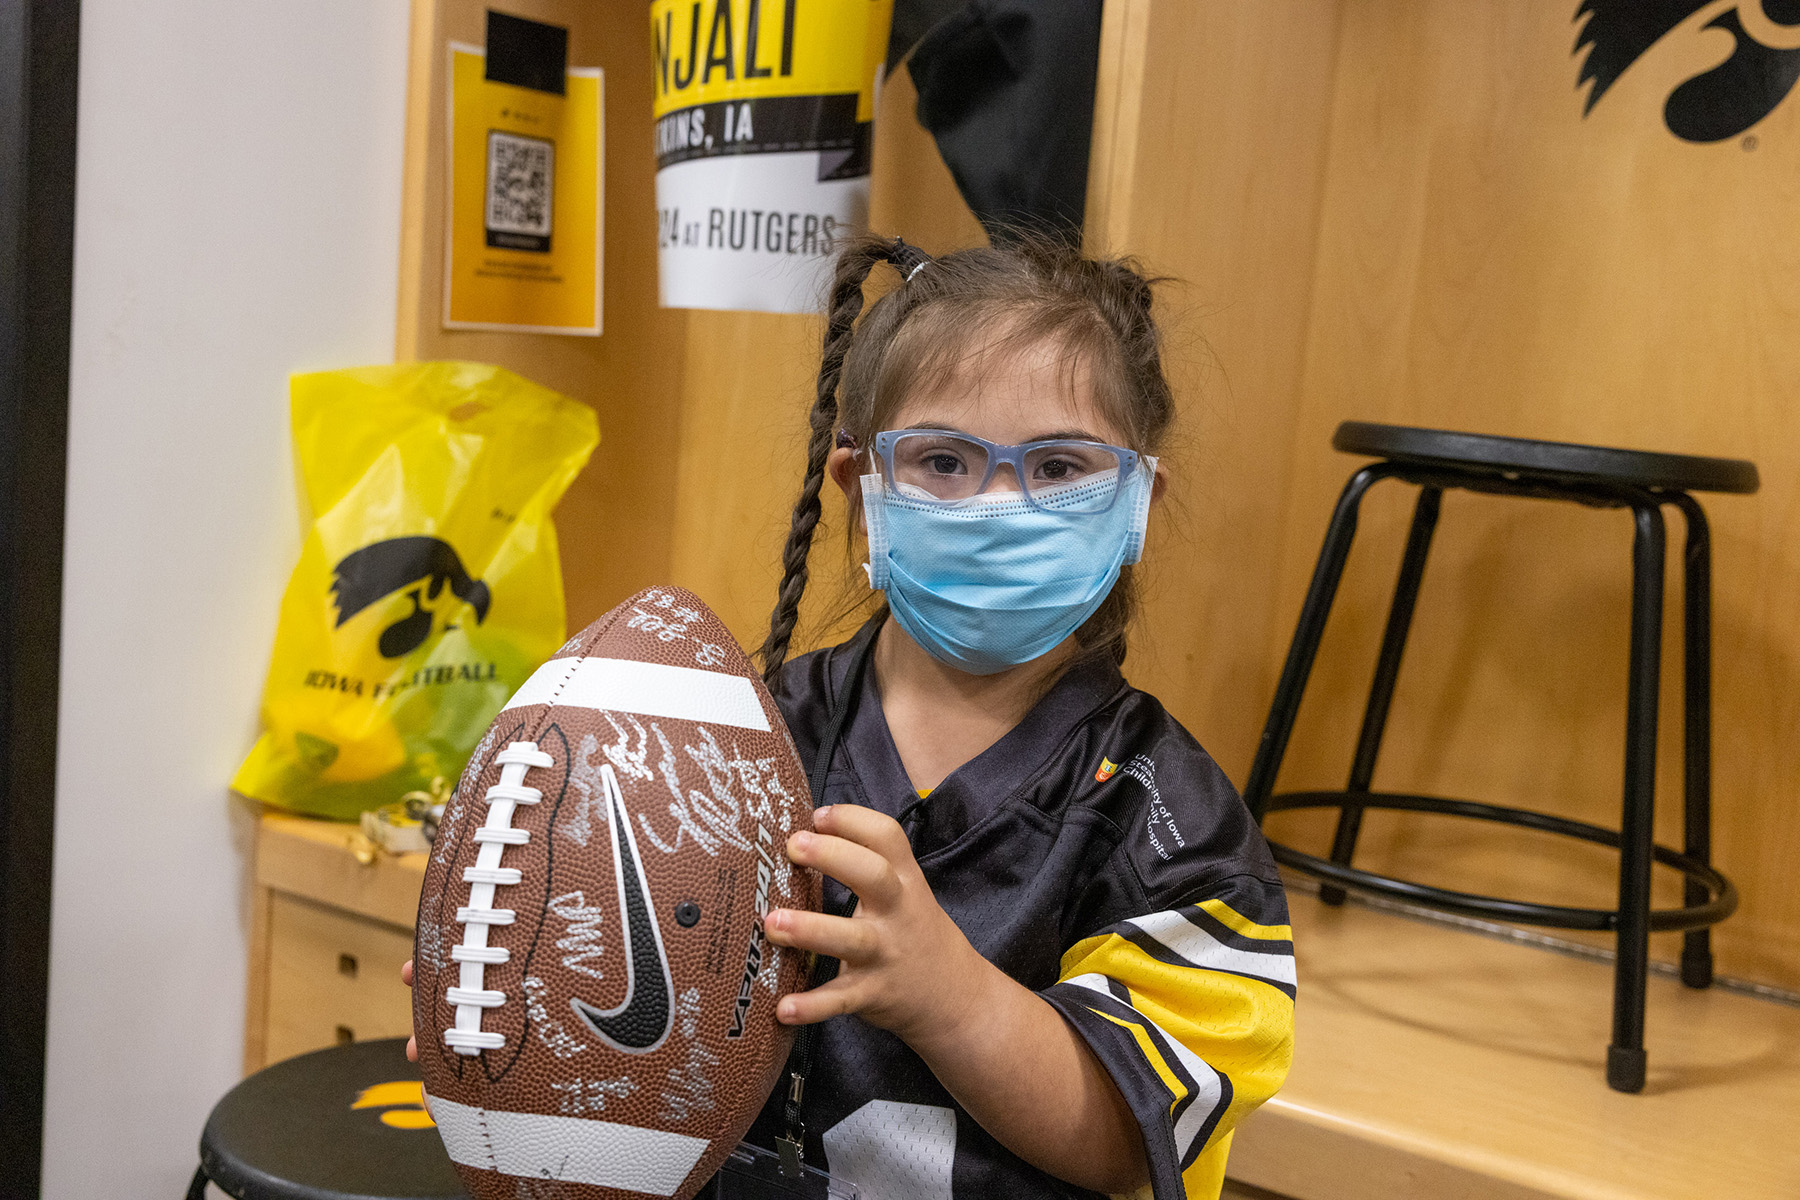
x,y
941,467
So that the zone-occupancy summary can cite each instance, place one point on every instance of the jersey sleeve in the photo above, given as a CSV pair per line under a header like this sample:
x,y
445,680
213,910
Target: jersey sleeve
x,y
1191,1010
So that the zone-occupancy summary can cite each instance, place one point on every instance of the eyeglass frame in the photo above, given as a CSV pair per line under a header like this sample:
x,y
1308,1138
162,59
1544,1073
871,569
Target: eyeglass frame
x,y
1002,455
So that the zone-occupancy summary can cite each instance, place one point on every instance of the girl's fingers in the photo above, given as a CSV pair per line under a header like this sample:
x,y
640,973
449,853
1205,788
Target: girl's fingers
x,y
840,937
859,868
866,827
412,1043
833,999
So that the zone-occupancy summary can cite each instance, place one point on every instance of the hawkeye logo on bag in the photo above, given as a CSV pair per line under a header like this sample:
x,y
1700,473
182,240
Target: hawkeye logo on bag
x,y
364,578
374,572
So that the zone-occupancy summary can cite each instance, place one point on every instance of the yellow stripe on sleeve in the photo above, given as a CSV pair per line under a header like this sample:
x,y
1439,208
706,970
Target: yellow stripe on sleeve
x,y
1237,922
1152,1055
1205,1176
1236,1022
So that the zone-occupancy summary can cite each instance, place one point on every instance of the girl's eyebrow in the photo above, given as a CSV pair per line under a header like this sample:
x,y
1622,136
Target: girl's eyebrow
x,y
1059,435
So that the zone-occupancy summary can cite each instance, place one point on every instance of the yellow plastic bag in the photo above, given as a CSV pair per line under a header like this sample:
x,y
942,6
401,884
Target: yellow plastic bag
x,y
429,586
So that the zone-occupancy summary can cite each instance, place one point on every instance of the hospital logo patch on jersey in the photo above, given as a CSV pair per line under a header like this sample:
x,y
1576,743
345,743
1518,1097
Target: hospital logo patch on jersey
x,y
1107,767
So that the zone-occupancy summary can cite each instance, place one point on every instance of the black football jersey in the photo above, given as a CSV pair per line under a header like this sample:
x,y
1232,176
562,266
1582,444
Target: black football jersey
x,y
1100,857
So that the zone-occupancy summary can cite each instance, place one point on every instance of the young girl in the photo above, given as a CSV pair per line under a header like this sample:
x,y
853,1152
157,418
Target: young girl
x,y
1065,960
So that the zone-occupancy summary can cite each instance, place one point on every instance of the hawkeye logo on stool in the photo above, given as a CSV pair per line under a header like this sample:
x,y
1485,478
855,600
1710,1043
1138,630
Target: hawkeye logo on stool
x,y
404,1100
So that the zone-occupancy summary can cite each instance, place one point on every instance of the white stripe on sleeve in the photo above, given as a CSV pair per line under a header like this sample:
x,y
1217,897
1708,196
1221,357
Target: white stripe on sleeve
x,y
1201,949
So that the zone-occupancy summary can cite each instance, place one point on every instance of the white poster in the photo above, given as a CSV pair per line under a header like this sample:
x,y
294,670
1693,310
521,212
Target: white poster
x,y
763,111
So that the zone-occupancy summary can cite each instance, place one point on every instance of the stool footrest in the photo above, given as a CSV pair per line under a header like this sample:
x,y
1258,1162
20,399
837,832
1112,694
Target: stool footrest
x,y
1723,893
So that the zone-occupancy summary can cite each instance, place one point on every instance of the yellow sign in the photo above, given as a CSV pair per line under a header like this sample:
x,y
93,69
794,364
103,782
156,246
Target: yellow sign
x,y
748,49
523,246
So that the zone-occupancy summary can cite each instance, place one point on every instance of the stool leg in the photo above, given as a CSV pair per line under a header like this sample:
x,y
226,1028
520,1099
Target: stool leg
x,y
1625,1057
1696,944
197,1185
1286,706
1387,670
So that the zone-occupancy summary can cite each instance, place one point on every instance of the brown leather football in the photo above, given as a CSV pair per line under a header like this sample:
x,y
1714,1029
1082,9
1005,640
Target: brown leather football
x,y
593,995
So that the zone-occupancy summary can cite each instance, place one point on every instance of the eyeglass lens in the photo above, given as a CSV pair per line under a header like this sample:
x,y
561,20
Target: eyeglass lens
x,y
1077,476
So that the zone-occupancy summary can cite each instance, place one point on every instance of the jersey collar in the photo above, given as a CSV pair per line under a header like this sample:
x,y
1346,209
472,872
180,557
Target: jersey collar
x,y
983,784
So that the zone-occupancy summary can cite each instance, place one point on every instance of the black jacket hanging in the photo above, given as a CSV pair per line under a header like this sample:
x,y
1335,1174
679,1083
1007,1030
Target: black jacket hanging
x,y
1006,88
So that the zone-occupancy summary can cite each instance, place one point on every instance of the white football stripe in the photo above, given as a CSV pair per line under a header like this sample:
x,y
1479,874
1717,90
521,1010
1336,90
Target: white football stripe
x,y
571,1149
649,689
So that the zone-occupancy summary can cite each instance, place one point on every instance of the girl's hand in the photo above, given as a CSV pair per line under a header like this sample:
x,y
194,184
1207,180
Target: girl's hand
x,y
906,967
412,1043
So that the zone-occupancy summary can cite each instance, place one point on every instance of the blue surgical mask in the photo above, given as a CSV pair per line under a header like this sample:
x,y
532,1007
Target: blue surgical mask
x,y
993,582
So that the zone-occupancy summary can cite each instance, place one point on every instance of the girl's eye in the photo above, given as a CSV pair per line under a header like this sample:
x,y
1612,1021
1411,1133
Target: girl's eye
x,y
943,464
1059,470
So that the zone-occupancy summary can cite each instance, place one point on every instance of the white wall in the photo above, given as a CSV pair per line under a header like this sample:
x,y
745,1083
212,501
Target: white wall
x,y
238,206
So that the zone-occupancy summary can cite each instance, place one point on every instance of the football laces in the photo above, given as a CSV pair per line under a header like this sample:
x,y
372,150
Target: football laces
x,y
474,955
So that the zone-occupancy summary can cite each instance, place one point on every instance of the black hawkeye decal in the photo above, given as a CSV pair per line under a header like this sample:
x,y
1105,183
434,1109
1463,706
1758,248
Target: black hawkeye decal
x,y
379,570
643,1018
1718,103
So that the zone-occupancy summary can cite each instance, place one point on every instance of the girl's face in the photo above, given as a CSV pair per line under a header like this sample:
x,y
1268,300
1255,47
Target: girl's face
x,y
1023,394
1031,393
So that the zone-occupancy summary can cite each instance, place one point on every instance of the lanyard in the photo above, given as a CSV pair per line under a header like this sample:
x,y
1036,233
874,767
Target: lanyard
x,y
792,1144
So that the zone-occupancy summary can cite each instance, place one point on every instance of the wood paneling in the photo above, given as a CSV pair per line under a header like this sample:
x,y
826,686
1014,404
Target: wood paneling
x,y
1489,260
1388,210
1210,146
1396,211
615,523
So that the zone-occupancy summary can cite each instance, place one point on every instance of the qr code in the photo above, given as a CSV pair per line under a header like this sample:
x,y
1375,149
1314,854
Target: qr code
x,y
519,181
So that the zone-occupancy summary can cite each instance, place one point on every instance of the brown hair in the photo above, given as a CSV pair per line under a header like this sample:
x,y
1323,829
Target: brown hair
x,y
1030,291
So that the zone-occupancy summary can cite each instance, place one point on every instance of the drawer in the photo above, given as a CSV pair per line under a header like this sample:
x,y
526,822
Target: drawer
x,y
333,977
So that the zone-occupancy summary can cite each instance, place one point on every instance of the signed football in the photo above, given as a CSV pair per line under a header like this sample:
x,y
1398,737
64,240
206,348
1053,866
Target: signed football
x,y
593,996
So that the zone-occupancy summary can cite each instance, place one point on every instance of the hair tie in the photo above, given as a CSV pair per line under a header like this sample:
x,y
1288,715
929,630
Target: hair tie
x,y
910,260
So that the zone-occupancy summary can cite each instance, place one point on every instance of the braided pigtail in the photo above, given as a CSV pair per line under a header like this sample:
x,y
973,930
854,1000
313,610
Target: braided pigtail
x,y
846,304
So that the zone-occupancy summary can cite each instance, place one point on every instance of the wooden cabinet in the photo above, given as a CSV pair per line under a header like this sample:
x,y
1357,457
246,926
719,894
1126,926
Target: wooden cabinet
x,y
332,923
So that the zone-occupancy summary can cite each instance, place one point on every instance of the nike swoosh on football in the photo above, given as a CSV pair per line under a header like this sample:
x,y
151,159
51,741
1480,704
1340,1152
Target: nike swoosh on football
x,y
642,1021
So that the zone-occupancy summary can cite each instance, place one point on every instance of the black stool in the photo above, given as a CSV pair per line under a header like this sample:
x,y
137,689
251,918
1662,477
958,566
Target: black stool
x,y
346,1123
1643,482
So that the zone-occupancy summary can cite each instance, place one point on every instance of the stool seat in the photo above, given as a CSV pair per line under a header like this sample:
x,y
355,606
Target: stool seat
x,y
347,1123
1560,461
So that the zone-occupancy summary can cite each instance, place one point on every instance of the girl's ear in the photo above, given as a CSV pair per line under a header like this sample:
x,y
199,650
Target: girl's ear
x,y
1159,482
844,469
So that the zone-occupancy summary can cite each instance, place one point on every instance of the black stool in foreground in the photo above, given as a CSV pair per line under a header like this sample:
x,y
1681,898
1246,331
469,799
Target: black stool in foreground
x,y
1434,460
347,1123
